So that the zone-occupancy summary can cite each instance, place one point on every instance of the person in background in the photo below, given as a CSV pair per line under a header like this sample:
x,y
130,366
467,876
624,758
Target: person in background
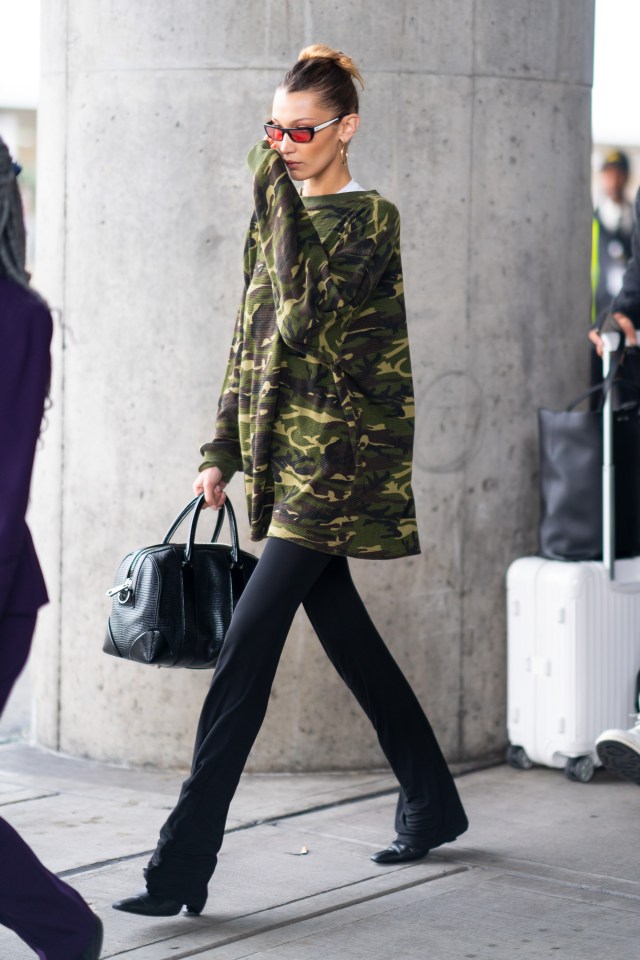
x,y
46,913
624,308
619,750
612,228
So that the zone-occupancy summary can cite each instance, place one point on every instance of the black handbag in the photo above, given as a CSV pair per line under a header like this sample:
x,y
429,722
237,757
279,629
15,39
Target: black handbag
x,y
571,454
172,603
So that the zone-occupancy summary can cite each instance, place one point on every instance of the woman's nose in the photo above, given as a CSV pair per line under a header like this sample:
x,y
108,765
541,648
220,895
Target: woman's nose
x,y
286,145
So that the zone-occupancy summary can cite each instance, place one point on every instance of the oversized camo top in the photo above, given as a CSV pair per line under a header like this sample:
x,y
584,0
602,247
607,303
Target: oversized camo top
x,y
317,403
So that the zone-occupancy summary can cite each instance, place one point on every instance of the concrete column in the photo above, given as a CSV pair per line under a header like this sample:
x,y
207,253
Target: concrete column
x,y
476,122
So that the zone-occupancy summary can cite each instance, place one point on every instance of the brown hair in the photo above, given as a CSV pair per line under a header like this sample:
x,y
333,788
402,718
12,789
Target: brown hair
x,y
330,74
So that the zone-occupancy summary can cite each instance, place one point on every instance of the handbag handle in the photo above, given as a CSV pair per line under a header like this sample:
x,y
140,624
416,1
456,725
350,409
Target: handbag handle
x,y
233,527
185,513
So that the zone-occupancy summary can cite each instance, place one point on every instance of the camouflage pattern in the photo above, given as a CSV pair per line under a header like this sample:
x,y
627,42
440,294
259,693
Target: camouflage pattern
x,y
317,404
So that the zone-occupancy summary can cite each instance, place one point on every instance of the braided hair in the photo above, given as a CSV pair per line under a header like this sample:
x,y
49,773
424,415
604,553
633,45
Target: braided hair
x,y
12,232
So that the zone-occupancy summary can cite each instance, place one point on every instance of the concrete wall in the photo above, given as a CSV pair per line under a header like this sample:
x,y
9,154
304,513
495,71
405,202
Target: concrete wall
x,y
476,123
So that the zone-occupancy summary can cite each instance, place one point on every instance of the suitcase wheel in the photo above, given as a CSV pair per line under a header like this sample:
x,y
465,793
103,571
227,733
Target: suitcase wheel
x,y
579,769
517,758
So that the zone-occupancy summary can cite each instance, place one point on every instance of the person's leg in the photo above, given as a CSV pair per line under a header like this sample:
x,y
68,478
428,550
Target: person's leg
x,y
50,916
429,810
232,715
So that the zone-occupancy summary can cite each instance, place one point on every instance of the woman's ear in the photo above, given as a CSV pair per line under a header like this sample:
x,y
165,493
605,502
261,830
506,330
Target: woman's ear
x,y
348,126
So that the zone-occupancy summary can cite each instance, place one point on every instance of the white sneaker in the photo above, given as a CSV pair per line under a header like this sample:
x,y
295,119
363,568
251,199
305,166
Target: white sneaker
x,y
619,752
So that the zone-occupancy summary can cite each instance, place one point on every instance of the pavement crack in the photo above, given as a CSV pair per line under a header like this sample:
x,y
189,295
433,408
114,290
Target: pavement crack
x,y
249,825
317,808
40,796
571,884
304,917
99,864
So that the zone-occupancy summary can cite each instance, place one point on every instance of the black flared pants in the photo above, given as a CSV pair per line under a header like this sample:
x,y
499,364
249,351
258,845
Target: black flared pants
x,y
429,810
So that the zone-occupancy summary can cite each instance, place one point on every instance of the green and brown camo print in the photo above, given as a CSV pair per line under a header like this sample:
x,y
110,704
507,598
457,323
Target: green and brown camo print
x,y
317,404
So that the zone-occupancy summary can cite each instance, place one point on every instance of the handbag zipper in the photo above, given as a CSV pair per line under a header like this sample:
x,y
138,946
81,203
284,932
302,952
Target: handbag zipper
x,y
121,588
124,590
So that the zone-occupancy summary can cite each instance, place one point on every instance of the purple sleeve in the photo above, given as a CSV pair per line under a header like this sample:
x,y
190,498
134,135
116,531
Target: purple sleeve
x,y
25,369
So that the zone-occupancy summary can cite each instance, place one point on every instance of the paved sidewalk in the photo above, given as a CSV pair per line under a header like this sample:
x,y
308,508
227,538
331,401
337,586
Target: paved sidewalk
x,y
549,868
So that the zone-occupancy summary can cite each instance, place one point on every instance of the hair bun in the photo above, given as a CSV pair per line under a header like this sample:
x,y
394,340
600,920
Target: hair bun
x,y
318,51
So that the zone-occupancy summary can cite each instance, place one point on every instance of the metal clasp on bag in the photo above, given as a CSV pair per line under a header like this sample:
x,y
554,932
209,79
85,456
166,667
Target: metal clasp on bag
x,y
123,590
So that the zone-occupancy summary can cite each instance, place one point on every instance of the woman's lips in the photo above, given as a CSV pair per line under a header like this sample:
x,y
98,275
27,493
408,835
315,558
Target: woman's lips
x,y
292,164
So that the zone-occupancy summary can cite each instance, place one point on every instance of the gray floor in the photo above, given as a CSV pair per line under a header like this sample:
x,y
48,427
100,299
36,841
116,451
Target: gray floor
x,y
548,868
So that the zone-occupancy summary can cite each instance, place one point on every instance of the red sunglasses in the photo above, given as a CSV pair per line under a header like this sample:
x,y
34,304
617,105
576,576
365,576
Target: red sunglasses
x,y
297,134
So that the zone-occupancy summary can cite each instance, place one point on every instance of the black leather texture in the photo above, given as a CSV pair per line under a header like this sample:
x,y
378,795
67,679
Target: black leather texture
x,y
176,600
571,483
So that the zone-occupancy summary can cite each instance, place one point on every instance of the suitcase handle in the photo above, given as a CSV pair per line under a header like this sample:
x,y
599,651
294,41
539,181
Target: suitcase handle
x,y
604,387
613,346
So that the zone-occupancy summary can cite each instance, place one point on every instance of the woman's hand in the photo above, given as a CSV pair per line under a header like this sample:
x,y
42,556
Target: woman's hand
x,y
210,483
627,328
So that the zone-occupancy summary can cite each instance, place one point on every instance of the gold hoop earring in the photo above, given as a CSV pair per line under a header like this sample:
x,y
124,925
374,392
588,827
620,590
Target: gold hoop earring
x,y
344,153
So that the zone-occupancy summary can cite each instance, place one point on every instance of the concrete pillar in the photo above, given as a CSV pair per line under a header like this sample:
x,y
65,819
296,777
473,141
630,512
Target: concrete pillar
x,y
475,121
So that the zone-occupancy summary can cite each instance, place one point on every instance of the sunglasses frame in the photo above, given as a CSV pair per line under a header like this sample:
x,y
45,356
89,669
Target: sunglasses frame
x,y
289,130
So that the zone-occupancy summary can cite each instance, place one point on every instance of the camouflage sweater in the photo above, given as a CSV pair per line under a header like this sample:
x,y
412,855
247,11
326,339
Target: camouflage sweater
x,y
317,403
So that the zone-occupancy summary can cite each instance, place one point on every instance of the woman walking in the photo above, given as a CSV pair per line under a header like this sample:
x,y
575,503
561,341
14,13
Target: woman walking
x,y
44,911
317,410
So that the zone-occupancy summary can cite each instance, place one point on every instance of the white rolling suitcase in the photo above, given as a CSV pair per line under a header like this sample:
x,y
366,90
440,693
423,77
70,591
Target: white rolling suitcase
x,y
573,647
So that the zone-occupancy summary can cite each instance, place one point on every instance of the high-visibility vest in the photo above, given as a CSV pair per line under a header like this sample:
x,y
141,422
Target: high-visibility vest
x,y
595,265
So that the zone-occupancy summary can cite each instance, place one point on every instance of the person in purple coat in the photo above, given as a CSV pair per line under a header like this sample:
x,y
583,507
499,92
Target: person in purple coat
x,y
50,916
